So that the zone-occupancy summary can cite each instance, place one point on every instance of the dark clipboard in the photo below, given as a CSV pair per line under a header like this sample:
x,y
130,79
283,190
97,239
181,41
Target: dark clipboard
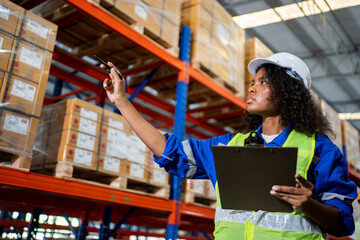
x,y
246,175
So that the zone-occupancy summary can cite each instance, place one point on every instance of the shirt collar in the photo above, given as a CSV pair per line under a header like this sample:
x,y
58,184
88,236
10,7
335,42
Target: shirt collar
x,y
281,138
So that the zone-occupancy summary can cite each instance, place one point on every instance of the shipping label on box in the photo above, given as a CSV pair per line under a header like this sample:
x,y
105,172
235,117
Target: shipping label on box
x,y
74,138
11,16
114,120
32,63
75,122
80,108
138,171
17,132
39,31
75,155
141,12
23,95
113,165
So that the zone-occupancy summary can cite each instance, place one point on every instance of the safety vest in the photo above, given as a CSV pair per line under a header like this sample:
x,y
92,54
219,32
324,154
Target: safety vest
x,y
262,225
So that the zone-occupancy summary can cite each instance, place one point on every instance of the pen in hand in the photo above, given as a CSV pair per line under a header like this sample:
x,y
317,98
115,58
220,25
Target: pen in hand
x,y
107,66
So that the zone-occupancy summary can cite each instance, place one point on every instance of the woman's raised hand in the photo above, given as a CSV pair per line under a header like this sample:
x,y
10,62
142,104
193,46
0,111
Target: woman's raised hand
x,y
115,86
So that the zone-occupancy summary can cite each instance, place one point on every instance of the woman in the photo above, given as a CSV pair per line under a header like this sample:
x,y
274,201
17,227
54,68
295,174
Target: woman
x,y
281,110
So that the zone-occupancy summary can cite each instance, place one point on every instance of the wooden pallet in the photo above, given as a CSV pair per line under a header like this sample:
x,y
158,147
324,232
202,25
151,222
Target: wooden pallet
x,y
213,76
123,16
199,199
86,36
105,178
14,160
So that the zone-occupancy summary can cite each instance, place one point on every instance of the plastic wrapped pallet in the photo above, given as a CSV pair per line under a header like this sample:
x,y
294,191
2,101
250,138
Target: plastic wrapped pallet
x,y
350,136
26,42
217,44
335,122
69,132
120,144
254,48
160,19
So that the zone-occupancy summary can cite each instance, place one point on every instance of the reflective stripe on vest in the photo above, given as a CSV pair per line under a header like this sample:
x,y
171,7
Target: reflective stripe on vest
x,y
233,224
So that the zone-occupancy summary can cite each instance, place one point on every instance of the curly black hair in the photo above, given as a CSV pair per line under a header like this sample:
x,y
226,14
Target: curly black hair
x,y
293,102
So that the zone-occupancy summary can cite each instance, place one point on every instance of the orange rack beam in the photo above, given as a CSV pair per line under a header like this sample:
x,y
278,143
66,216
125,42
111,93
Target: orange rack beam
x,y
122,29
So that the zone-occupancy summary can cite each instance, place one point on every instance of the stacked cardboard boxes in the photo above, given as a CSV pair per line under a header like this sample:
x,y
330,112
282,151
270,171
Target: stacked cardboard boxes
x,y
254,48
335,122
217,43
72,132
26,43
351,143
160,18
77,133
199,191
120,144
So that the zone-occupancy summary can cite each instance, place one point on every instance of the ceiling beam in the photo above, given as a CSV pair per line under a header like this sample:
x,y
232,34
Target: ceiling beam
x,y
356,101
340,75
238,3
328,32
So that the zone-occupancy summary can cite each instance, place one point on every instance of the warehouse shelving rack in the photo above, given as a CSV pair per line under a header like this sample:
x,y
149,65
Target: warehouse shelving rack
x,y
26,191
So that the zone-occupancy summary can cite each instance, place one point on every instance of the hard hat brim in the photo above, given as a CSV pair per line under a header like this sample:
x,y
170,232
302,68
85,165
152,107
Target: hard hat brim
x,y
257,62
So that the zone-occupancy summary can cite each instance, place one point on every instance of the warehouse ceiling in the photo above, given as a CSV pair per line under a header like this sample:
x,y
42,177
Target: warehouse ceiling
x,y
325,33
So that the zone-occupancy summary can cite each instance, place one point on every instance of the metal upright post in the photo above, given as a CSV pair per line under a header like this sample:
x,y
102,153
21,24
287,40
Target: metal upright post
x,y
179,128
82,230
34,224
3,215
105,225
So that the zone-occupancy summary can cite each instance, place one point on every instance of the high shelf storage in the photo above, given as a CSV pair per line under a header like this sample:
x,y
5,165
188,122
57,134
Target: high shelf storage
x,y
26,191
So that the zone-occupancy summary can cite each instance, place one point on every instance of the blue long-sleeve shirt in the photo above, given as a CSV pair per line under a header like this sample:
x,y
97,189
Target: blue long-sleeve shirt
x,y
327,172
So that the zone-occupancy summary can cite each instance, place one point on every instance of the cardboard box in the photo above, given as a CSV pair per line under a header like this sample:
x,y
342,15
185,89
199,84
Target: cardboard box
x,y
73,138
217,42
17,132
334,120
75,155
198,186
23,95
254,48
7,47
157,175
42,138
80,108
39,31
114,120
76,123
159,18
351,142
139,171
140,12
125,148
32,63
11,16
113,165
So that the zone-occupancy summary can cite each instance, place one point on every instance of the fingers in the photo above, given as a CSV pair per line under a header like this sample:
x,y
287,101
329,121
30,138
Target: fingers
x,y
305,183
287,189
107,84
113,66
102,66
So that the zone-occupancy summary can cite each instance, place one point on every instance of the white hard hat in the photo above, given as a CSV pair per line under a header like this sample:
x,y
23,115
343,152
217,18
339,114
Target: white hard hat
x,y
293,65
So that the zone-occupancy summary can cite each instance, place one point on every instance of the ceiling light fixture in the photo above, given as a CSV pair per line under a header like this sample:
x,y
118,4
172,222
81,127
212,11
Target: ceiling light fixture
x,y
291,11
